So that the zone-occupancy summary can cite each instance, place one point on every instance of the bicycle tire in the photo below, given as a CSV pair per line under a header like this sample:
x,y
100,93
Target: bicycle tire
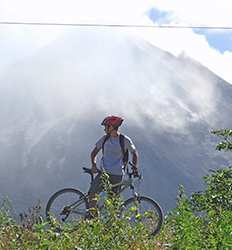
x,y
80,197
156,207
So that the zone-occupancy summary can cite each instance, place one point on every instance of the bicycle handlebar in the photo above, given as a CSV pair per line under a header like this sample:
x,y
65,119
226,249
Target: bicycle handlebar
x,y
89,171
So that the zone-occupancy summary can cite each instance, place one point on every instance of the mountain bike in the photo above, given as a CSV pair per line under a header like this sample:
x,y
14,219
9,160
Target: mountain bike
x,y
71,205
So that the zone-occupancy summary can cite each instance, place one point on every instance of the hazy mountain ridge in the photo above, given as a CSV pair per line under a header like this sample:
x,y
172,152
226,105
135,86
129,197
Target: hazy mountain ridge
x,y
53,104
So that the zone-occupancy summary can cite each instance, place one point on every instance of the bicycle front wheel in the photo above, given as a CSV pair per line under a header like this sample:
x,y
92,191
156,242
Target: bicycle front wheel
x,y
144,210
66,205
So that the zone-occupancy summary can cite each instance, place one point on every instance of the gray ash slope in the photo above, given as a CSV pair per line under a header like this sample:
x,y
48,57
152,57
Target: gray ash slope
x,y
52,104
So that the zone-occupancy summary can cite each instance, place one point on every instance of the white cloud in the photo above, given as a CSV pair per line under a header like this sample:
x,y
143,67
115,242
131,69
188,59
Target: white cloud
x,y
74,10
197,12
179,41
216,13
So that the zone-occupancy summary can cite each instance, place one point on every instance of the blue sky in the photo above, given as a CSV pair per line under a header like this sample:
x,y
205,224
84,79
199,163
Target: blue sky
x,y
159,16
221,40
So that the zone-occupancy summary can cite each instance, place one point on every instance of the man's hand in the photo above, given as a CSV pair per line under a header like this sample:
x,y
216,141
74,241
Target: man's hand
x,y
94,168
135,172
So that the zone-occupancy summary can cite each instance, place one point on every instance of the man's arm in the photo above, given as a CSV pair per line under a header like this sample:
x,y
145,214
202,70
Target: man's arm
x,y
134,153
93,157
135,157
97,148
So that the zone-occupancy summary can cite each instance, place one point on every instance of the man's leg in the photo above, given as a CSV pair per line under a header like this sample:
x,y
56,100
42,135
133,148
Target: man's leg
x,y
115,179
96,187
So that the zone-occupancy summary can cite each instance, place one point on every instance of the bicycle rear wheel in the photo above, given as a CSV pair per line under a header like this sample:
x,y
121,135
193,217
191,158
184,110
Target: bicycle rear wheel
x,y
145,210
66,205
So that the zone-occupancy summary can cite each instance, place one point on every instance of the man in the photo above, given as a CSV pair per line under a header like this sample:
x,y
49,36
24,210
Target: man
x,y
115,147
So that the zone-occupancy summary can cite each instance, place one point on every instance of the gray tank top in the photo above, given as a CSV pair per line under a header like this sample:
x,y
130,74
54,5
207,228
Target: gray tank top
x,y
112,160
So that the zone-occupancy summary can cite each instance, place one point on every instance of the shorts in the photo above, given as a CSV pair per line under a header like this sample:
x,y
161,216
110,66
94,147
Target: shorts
x,y
97,187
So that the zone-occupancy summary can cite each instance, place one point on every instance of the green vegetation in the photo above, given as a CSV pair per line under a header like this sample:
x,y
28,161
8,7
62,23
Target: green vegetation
x,y
202,221
102,232
205,220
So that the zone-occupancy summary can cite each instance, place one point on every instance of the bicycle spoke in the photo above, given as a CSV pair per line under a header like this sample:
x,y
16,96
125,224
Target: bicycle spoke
x,y
67,206
143,210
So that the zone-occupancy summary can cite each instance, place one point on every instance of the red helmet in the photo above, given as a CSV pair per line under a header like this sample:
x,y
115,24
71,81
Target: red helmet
x,y
114,121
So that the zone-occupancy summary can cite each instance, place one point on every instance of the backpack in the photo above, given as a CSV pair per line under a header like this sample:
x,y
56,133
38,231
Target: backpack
x,y
125,153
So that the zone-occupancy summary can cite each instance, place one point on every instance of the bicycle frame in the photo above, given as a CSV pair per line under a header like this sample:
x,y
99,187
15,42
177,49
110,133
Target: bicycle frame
x,y
80,205
124,184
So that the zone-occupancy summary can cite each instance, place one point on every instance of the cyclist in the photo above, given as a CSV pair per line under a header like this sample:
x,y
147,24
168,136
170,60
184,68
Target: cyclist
x,y
115,148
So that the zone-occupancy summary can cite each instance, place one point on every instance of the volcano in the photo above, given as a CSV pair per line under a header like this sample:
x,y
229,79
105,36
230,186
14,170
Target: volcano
x,y
52,104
